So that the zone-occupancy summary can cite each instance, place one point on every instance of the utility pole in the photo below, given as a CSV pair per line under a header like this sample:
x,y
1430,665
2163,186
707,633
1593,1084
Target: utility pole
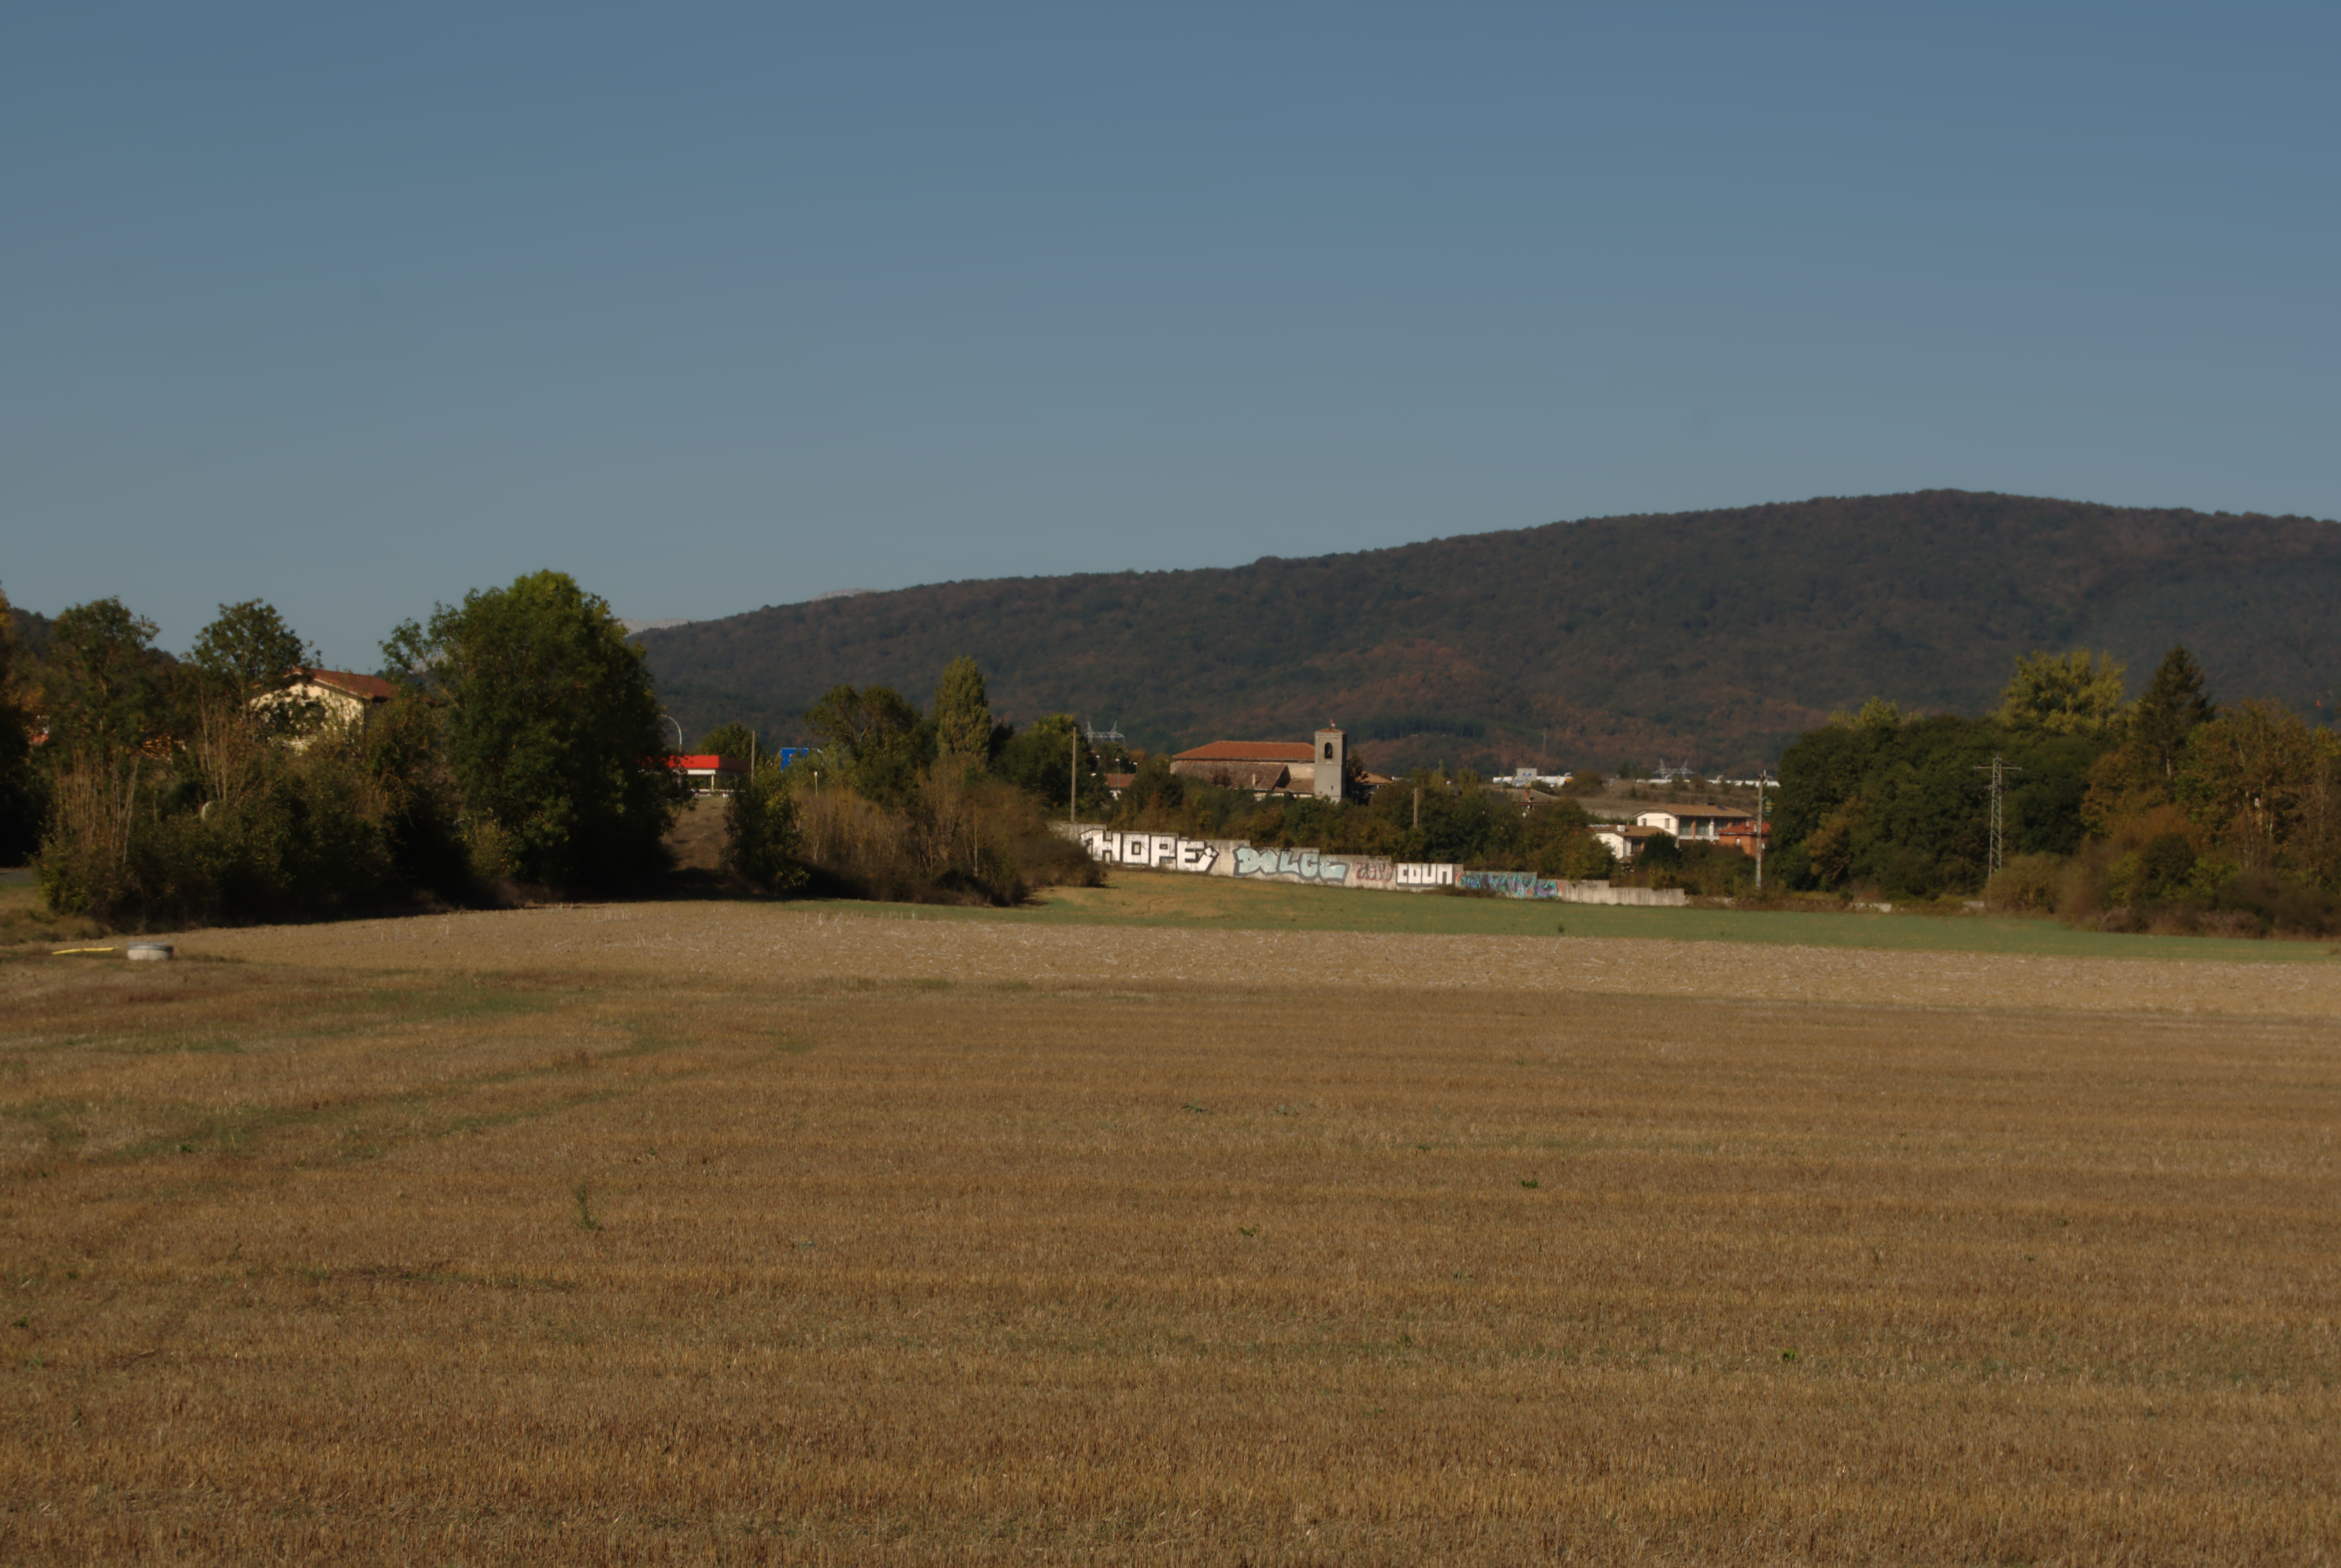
x,y
1073,781
1996,769
1763,774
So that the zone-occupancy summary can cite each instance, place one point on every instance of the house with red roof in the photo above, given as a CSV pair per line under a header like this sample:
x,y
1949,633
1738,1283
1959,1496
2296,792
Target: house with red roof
x,y
340,697
1272,766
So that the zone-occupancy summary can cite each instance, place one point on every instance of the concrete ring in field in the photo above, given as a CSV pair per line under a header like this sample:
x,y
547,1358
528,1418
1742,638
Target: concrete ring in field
x,y
150,952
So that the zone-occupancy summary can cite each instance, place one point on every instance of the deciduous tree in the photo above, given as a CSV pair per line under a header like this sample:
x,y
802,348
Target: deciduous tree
x,y
250,649
2065,694
107,687
553,729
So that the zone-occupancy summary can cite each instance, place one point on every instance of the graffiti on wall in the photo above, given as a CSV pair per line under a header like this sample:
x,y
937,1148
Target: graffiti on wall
x,y
1227,857
1296,865
1512,884
1161,851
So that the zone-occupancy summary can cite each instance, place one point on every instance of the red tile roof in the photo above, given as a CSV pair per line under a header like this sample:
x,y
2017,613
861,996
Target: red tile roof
x,y
1250,751
1253,776
367,687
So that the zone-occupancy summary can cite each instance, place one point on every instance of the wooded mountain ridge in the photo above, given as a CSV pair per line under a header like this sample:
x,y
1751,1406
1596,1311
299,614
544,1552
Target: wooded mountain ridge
x,y
1713,636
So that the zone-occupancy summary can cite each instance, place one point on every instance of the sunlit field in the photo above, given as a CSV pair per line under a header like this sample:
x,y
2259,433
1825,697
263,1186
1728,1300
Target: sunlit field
x,y
734,1232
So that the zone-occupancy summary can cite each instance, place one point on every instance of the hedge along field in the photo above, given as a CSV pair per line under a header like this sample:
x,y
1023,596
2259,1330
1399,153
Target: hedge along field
x,y
655,1231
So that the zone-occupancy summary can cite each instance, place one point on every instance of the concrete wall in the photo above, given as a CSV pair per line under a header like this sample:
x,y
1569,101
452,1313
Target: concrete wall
x,y
1528,884
1318,868
1231,857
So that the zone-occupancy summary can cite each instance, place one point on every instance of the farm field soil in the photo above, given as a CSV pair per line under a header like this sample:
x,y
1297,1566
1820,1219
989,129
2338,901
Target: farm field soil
x,y
691,1230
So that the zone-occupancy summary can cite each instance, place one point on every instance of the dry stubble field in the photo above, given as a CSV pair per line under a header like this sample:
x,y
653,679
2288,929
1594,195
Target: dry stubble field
x,y
681,1231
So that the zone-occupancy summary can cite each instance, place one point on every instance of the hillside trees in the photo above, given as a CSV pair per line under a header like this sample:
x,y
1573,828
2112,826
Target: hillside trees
x,y
552,730
1721,635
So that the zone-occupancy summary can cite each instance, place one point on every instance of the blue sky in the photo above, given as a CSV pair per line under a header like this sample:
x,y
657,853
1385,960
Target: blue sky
x,y
358,308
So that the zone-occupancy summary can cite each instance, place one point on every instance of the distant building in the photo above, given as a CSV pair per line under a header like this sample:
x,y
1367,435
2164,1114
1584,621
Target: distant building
x,y
1624,841
1707,825
1692,824
340,697
1272,766
706,772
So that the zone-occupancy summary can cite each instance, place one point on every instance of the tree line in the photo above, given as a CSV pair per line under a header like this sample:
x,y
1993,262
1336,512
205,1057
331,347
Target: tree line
x,y
520,747
516,748
2165,812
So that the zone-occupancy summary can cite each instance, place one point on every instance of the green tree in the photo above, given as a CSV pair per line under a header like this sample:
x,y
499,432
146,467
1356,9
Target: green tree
x,y
762,841
2259,776
877,734
109,690
1048,760
1877,713
247,652
250,649
963,712
553,729
1905,809
2065,694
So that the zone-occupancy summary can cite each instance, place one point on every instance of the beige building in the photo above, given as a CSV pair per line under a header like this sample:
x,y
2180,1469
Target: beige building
x,y
338,696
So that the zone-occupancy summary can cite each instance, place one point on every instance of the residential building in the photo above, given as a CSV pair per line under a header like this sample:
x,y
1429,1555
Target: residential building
x,y
1691,824
706,772
338,697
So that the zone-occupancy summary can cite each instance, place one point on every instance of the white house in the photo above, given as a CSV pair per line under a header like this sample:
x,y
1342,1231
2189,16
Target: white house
x,y
1689,824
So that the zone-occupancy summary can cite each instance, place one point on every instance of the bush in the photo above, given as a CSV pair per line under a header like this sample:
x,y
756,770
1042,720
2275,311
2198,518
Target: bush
x,y
957,839
763,841
2026,885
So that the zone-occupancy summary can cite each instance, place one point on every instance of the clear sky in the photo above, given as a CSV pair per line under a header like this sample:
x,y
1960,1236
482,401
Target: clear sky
x,y
356,307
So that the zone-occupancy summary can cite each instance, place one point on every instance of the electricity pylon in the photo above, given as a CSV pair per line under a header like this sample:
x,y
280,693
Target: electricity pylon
x,y
1996,769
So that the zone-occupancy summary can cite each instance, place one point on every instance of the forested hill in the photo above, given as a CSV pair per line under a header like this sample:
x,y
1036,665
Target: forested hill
x,y
1712,635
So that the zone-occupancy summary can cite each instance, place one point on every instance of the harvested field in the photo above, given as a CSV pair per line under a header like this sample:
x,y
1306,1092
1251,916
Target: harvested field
x,y
691,1230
